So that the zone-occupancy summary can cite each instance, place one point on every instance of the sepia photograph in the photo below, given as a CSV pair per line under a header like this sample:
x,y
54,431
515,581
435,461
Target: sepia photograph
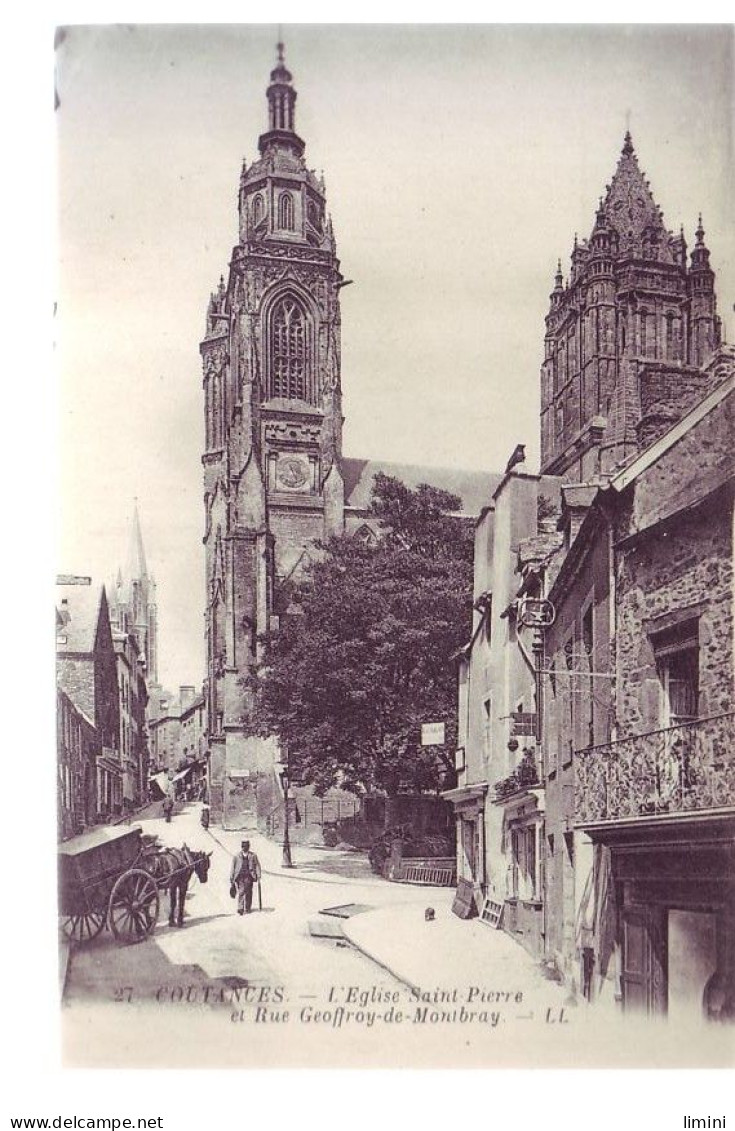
x,y
394,580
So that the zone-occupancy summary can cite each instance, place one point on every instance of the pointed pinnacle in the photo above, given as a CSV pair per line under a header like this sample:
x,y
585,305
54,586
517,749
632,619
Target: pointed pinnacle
x,y
700,230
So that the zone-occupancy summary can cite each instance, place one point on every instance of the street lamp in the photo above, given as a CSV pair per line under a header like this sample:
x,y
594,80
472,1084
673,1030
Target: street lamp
x,y
283,774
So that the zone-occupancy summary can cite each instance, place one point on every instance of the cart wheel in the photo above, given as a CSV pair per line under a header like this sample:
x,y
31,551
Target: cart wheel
x,y
82,928
133,912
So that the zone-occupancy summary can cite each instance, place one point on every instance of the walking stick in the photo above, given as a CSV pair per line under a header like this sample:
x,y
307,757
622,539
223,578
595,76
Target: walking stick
x,y
260,898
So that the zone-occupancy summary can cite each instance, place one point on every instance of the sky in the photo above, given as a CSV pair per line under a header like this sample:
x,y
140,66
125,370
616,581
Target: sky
x,y
459,163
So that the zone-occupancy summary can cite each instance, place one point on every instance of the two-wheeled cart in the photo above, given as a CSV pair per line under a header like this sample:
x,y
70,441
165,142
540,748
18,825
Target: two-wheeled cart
x,y
106,879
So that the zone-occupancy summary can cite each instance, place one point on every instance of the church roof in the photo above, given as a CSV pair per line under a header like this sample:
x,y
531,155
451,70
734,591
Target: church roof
x,y
475,488
78,610
628,206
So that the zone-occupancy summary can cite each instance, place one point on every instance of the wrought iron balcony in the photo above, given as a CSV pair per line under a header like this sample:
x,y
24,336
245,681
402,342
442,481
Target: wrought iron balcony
x,y
682,770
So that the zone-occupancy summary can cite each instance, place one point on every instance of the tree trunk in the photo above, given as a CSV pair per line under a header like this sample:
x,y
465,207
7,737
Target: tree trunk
x,y
391,810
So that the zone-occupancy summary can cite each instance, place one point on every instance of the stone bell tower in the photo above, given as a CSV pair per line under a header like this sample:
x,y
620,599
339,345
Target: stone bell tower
x,y
629,336
272,396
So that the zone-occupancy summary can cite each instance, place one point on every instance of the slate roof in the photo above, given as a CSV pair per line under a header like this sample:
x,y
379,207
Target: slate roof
x,y
78,609
475,488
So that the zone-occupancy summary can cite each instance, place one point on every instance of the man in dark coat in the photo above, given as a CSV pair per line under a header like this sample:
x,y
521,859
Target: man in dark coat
x,y
245,871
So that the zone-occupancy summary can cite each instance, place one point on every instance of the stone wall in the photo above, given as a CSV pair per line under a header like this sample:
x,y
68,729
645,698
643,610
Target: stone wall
x,y
690,568
666,395
677,563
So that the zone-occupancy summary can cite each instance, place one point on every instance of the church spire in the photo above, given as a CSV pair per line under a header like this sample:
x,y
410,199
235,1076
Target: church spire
x,y
281,108
629,210
136,565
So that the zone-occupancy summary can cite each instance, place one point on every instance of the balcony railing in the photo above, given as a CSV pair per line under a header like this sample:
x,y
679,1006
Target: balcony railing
x,y
684,769
525,776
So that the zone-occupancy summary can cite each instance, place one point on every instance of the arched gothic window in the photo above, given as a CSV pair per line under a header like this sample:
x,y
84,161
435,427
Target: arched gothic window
x,y
289,350
285,211
257,209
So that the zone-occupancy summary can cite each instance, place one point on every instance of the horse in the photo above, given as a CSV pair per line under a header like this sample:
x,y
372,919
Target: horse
x,y
174,868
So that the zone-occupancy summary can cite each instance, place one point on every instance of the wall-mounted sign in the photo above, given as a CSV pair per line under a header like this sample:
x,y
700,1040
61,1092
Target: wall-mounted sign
x,y
459,759
432,734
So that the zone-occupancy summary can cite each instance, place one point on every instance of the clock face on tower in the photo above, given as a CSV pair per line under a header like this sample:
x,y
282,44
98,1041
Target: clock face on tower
x,y
292,473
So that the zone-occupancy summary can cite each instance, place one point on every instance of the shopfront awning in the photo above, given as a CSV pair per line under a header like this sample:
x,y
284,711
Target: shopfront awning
x,y
182,774
160,782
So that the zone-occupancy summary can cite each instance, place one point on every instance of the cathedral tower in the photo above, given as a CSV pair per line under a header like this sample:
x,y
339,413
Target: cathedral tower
x,y
628,335
273,421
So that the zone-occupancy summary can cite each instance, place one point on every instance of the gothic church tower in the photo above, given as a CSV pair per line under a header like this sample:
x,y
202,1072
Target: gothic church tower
x,y
628,337
272,478
132,601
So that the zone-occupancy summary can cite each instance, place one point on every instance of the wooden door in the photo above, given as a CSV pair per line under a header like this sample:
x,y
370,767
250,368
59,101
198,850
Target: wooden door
x,y
469,847
644,961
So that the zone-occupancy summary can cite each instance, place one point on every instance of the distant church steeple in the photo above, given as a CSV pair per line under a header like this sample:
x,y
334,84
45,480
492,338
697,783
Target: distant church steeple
x,y
136,563
133,600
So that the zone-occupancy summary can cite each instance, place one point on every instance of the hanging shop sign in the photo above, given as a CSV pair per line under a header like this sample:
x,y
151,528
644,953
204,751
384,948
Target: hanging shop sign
x,y
536,613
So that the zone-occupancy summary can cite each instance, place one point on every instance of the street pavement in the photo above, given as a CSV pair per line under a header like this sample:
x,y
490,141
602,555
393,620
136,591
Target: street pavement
x,y
386,986
268,947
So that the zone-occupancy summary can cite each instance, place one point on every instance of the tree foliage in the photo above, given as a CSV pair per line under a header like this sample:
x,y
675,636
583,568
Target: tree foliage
x,y
364,655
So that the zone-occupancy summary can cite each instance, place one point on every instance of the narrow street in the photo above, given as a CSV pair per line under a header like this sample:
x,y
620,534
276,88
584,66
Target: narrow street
x,y
266,990
217,947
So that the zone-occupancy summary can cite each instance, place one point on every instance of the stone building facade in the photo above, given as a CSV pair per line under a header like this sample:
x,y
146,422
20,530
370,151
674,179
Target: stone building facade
x,y
76,749
86,671
656,799
628,335
275,478
576,713
133,698
634,430
499,828
612,857
165,734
